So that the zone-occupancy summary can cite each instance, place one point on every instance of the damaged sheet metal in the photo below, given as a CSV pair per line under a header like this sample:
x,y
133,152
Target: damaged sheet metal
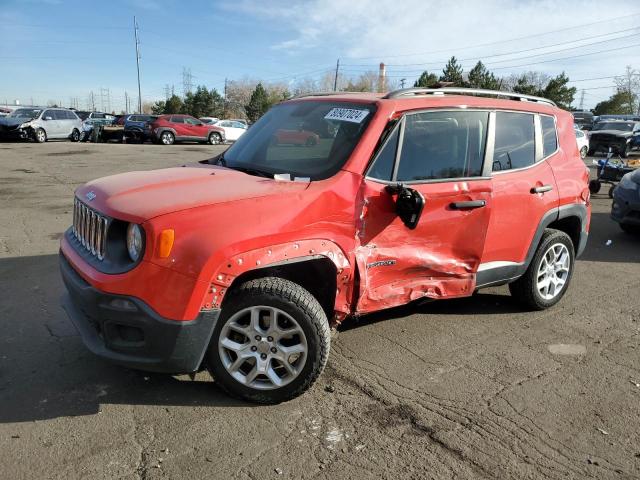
x,y
438,259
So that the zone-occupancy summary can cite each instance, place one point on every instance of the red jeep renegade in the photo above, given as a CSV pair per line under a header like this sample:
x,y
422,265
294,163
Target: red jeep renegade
x,y
241,264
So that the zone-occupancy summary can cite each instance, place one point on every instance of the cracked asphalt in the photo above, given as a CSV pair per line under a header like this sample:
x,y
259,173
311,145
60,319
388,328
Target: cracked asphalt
x,y
472,388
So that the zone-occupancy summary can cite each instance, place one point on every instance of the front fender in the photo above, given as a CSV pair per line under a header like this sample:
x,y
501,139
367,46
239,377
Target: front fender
x,y
223,273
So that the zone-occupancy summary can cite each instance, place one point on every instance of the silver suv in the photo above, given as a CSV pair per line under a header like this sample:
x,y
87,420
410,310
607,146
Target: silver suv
x,y
41,124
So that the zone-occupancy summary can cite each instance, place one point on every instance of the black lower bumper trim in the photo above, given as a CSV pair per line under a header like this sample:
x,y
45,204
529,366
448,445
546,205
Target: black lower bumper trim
x,y
126,331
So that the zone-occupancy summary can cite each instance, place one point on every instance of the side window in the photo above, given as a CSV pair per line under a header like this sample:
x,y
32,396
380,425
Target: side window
x,y
48,114
97,115
515,145
382,167
549,138
177,120
441,145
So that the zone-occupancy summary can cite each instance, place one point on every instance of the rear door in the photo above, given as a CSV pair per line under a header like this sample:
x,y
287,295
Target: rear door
x,y
178,125
524,191
441,155
197,129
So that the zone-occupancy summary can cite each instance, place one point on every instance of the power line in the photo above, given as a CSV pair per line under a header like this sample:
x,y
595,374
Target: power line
x,y
628,16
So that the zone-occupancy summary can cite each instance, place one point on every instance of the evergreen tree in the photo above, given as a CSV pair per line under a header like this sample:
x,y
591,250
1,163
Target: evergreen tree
x,y
480,77
558,91
426,80
453,73
258,104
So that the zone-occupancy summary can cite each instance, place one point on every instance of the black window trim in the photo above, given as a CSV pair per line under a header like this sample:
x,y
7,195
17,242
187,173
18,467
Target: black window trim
x,y
486,164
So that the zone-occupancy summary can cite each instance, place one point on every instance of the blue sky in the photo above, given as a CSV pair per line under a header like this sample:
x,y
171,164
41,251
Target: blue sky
x,y
55,50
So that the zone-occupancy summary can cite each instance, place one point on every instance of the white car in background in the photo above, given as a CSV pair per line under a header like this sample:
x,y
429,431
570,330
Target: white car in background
x,y
583,143
209,120
232,129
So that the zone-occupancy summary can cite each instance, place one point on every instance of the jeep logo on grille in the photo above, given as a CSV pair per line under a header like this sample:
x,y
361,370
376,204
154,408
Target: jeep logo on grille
x,y
90,196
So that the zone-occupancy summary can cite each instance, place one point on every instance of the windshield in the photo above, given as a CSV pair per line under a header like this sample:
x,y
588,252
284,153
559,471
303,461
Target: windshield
x,y
26,113
306,139
622,126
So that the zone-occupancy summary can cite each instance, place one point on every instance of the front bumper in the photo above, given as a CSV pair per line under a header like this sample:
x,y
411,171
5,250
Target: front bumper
x,y
126,331
625,208
14,134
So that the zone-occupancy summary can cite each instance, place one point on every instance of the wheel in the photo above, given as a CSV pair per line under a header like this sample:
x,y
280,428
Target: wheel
x,y
590,152
271,342
583,152
215,138
548,276
167,138
40,135
624,151
594,186
311,141
75,135
611,189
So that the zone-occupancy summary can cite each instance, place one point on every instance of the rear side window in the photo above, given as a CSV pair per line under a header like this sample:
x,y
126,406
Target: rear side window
x,y
515,145
549,138
176,119
442,145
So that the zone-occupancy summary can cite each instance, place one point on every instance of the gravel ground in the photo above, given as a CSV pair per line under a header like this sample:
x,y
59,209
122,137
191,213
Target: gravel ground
x,y
471,388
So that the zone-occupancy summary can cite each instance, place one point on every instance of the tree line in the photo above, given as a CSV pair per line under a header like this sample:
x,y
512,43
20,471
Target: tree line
x,y
250,99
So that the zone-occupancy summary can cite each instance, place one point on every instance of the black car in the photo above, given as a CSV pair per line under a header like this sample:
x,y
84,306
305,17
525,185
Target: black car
x,y
626,203
622,136
583,119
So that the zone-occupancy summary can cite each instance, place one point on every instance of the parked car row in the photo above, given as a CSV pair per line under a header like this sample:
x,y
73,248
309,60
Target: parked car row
x,y
43,123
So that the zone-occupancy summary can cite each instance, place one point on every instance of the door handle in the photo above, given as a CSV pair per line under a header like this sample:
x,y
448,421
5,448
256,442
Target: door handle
x,y
542,189
470,205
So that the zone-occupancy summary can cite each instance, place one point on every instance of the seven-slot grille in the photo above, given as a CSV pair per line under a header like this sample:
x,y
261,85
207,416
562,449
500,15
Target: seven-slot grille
x,y
90,228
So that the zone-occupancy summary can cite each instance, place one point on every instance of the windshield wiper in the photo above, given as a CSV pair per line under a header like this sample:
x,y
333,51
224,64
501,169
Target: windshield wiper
x,y
251,171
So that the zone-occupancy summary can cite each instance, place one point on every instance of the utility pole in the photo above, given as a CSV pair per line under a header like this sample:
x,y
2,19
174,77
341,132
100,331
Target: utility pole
x,y
335,79
167,89
224,104
135,31
126,102
582,100
402,80
92,99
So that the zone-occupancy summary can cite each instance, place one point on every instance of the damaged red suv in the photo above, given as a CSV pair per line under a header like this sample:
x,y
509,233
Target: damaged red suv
x,y
241,264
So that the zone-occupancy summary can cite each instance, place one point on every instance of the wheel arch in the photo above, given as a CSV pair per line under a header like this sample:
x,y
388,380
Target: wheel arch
x,y
320,266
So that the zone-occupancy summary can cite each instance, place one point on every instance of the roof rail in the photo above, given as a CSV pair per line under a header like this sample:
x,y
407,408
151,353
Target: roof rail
x,y
327,94
410,92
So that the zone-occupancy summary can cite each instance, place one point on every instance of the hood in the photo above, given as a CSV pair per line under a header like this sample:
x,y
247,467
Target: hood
x,y
617,133
13,121
140,196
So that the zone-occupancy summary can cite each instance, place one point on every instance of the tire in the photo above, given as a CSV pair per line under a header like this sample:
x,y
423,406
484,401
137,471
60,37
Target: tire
x,y
583,152
624,152
594,186
590,152
526,289
240,378
214,138
611,189
40,135
75,135
167,138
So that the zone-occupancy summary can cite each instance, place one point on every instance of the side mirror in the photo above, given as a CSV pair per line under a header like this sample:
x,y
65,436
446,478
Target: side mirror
x,y
409,204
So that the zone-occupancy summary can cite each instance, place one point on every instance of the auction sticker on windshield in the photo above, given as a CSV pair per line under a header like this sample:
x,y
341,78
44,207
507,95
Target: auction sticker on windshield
x,y
347,115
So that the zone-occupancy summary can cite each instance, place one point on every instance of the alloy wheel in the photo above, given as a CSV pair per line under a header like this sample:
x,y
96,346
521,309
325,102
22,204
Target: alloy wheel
x,y
553,271
263,347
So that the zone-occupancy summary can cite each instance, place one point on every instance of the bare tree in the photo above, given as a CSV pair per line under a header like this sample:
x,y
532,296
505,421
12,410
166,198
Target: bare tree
x,y
538,80
629,84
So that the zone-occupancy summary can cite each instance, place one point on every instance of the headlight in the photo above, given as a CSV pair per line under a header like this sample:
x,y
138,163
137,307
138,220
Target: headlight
x,y
134,241
25,125
627,183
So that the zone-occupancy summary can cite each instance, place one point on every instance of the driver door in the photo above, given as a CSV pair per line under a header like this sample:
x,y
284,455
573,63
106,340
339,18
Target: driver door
x,y
438,156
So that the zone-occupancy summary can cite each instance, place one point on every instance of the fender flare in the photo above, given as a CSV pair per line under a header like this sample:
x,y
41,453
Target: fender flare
x,y
225,273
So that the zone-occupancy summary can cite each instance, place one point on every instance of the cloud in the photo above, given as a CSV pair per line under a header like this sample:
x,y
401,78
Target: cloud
x,y
427,33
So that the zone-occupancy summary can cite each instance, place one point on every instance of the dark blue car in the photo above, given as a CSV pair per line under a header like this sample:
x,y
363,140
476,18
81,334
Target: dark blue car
x,y
137,127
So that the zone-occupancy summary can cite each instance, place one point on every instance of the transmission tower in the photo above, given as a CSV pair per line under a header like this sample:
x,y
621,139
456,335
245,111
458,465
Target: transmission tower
x,y
187,81
582,100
